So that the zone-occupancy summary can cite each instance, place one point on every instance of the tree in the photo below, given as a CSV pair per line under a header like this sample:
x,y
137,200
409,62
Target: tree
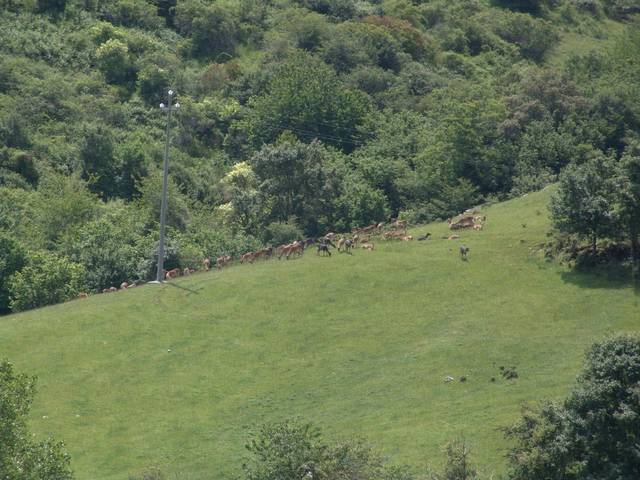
x,y
294,178
97,157
62,203
306,98
47,279
294,450
584,202
52,6
153,83
629,201
21,458
115,63
108,248
132,155
457,463
12,259
213,28
595,432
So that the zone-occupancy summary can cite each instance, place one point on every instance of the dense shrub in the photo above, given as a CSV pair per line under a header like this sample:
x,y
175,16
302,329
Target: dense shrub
x,y
213,29
278,233
115,63
21,457
534,37
592,433
12,259
47,279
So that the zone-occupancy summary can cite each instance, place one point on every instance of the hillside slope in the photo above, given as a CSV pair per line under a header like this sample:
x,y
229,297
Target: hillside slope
x,y
175,375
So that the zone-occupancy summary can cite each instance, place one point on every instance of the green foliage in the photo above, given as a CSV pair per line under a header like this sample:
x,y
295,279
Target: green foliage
x,y
584,202
457,465
108,248
306,98
52,6
97,157
212,28
130,13
21,458
12,258
594,432
153,83
150,201
47,279
531,6
115,63
292,449
628,205
296,177
280,233
62,204
534,37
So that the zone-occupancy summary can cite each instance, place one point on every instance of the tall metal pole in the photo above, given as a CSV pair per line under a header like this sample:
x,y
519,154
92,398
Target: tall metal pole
x,y
165,182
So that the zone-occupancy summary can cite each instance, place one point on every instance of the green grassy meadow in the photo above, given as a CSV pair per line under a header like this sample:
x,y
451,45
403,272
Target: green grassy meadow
x,y
176,375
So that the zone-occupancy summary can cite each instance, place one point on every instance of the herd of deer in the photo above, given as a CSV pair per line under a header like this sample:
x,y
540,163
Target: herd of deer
x,y
359,237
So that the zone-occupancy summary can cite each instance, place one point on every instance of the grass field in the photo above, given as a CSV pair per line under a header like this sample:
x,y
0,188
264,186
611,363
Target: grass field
x,y
176,375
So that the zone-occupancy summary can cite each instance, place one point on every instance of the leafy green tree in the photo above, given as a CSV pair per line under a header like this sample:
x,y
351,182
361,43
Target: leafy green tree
x,y
166,9
306,98
47,279
533,36
294,177
584,203
62,203
98,165
150,199
133,158
108,248
457,465
21,458
115,63
213,28
531,6
52,6
153,83
595,431
291,450
629,201
12,258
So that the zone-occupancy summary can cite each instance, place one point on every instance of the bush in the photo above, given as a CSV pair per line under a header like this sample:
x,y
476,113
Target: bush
x,y
114,62
534,37
12,259
130,13
21,457
47,279
594,432
213,29
108,248
153,83
52,6
278,233
294,450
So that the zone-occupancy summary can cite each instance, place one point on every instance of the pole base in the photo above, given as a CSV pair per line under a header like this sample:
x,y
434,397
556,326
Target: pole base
x,y
156,282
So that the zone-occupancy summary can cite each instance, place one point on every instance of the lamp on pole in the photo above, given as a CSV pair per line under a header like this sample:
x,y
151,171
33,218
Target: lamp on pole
x,y
168,108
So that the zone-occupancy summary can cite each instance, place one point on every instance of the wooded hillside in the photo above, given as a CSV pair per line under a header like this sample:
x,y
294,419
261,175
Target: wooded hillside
x,y
297,117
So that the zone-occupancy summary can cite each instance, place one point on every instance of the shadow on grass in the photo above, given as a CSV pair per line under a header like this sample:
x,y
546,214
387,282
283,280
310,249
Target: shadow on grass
x,y
602,277
190,290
